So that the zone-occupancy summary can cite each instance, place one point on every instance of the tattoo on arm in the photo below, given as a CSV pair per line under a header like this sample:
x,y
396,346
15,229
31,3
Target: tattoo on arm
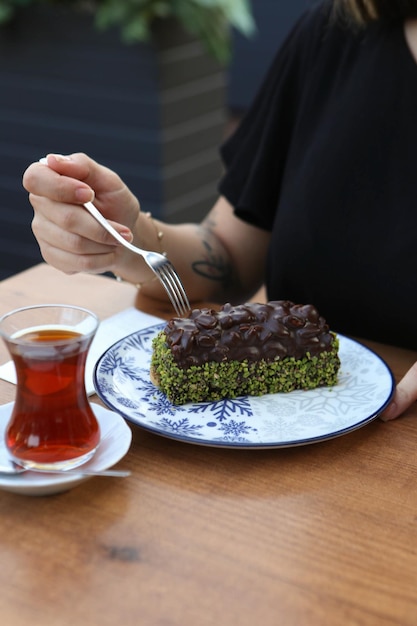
x,y
213,266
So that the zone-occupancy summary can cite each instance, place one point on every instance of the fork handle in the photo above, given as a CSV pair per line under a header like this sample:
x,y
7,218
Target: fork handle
x,y
102,220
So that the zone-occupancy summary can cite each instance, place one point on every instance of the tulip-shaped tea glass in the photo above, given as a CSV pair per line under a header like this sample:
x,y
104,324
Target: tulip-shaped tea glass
x,y
52,425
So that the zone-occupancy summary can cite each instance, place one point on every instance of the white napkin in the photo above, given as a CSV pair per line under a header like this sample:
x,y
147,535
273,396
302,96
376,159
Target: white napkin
x,y
110,330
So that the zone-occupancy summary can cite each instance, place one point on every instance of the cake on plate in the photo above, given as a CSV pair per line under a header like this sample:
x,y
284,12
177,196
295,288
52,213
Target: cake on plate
x,y
248,349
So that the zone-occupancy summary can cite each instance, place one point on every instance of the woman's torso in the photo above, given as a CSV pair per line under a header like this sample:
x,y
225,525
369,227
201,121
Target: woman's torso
x,y
343,214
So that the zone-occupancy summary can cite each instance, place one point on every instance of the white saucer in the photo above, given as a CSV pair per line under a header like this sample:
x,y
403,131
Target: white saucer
x,y
116,438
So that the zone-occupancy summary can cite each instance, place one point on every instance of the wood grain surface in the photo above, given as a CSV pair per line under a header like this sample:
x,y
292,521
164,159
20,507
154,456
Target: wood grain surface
x,y
319,535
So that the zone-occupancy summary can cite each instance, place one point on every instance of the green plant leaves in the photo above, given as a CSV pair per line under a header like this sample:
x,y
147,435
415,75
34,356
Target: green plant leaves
x,y
209,20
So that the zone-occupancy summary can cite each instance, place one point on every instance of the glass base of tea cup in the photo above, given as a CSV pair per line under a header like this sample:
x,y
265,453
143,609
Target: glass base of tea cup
x,y
58,466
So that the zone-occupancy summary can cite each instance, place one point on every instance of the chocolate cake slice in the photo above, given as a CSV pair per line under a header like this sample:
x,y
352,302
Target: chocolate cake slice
x,y
249,349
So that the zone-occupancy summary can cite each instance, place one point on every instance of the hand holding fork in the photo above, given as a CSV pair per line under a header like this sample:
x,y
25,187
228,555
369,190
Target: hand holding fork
x,y
158,263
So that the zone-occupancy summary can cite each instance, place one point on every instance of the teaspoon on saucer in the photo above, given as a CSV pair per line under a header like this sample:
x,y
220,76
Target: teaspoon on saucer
x,y
11,468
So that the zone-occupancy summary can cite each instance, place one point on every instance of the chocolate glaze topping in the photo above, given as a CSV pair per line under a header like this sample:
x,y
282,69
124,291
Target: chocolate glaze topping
x,y
248,331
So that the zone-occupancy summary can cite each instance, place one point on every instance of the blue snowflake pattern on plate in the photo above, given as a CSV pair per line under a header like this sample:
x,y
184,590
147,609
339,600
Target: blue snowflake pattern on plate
x,y
365,386
223,409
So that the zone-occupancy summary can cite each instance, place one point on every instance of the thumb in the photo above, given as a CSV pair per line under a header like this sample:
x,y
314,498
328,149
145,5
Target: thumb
x,y
404,396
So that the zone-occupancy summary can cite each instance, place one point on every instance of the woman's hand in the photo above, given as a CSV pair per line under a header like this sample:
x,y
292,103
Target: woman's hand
x,y
69,238
211,258
405,395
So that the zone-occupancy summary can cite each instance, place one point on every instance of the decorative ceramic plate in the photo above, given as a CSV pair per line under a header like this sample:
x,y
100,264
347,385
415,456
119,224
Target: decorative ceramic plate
x,y
116,437
364,389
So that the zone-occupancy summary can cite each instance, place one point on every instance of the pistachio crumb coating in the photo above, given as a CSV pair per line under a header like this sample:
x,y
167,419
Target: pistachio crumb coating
x,y
280,347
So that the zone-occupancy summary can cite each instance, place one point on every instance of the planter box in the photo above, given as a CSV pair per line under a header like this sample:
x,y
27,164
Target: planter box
x,y
155,113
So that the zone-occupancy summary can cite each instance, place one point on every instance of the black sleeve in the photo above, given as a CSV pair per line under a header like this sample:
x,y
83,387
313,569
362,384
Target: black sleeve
x,y
255,156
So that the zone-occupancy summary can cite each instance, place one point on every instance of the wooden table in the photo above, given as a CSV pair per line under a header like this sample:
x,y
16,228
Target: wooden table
x,y
319,535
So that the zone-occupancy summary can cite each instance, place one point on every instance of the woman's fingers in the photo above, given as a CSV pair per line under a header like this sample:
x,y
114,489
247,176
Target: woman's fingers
x,y
72,240
405,395
66,186
76,179
73,253
72,179
66,220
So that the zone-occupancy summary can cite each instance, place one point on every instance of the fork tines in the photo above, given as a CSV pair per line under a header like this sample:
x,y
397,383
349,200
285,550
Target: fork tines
x,y
174,288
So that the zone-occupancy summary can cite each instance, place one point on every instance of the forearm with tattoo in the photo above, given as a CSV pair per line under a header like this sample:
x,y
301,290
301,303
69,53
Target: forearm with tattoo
x,y
214,264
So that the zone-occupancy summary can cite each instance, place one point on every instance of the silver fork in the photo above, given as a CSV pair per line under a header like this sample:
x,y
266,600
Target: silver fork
x,y
157,262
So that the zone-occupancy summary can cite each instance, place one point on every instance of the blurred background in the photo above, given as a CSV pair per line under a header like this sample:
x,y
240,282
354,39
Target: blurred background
x,y
156,113
251,56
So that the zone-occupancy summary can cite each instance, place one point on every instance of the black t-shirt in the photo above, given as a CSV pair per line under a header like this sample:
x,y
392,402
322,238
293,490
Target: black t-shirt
x,y
326,159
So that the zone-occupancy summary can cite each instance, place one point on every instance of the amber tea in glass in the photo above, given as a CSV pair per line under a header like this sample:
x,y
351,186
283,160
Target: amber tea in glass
x,y
52,425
